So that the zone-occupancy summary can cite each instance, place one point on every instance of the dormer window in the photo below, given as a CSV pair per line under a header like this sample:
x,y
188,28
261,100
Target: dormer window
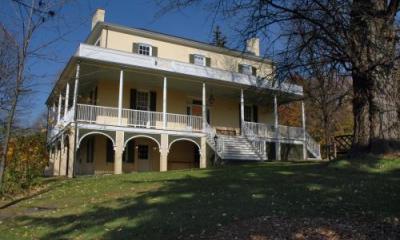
x,y
144,49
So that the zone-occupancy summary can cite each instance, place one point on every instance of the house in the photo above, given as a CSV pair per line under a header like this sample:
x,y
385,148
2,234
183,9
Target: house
x,y
136,100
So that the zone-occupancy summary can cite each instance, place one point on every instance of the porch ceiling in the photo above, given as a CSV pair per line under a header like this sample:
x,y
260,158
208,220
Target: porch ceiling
x,y
91,73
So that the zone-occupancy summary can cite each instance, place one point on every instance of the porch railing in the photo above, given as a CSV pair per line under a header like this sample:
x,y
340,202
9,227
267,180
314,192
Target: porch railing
x,y
293,133
137,118
261,129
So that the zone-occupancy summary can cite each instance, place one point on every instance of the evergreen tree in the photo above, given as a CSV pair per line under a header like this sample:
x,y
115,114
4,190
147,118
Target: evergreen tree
x,y
219,39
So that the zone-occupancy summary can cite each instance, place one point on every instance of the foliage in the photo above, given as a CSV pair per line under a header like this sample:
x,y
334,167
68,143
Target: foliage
x,y
178,204
26,161
219,39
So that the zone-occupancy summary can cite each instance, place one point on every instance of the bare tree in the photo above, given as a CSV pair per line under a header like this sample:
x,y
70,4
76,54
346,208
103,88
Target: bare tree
x,y
356,37
30,17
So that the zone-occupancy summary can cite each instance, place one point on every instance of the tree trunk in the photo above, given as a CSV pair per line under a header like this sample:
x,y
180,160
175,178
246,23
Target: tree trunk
x,y
376,119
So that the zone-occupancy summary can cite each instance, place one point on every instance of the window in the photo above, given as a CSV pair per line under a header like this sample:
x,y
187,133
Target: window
x,y
144,49
199,60
142,100
246,69
143,152
248,113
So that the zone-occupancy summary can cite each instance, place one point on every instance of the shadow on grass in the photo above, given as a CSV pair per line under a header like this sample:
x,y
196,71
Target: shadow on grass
x,y
198,204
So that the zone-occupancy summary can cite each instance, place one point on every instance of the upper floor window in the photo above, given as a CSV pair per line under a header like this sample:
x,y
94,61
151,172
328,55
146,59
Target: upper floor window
x,y
145,49
247,69
200,60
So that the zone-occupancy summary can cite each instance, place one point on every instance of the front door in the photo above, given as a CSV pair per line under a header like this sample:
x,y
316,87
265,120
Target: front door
x,y
143,158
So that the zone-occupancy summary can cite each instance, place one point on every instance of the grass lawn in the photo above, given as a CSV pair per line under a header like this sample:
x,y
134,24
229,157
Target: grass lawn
x,y
195,203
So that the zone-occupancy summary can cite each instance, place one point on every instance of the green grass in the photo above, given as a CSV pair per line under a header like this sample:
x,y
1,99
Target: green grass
x,y
179,203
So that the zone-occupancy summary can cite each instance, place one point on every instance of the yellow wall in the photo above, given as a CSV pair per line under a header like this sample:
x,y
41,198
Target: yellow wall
x,y
224,112
123,42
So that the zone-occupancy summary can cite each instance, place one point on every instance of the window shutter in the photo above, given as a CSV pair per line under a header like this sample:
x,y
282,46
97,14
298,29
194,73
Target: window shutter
x,y
129,153
191,58
188,111
154,51
133,99
254,71
153,101
208,62
95,95
240,68
135,48
110,151
255,113
208,116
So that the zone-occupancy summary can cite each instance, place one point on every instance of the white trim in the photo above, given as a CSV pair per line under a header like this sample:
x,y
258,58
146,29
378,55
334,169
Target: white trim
x,y
95,132
142,136
183,139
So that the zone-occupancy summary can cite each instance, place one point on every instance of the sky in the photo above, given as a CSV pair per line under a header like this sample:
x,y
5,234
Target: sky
x,y
73,23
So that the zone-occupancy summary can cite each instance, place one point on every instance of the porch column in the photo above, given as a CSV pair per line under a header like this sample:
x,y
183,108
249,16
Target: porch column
x,y
120,95
276,126
303,124
64,154
203,153
241,111
118,151
164,149
204,107
59,108
66,103
165,103
75,99
72,150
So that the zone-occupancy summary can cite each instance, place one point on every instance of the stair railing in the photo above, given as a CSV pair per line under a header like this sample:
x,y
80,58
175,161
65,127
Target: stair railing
x,y
216,142
256,143
313,146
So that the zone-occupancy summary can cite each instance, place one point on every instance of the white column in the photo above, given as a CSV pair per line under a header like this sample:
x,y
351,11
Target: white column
x,y
66,99
165,103
303,124
75,99
276,125
204,107
59,108
120,96
241,111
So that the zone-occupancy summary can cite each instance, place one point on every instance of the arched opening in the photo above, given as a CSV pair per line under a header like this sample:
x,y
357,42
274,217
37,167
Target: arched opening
x,y
95,154
141,154
183,154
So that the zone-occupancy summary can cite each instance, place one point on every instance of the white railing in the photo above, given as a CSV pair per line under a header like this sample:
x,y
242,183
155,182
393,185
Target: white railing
x,y
145,119
216,142
261,129
313,146
184,122
293,133
97,114
137,118
257,143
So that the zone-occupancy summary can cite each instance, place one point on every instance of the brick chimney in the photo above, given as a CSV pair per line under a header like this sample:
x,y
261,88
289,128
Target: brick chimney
x,y
98,16
253,46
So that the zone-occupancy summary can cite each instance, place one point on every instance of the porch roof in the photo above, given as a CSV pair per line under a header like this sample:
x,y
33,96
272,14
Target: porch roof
x,y
89,53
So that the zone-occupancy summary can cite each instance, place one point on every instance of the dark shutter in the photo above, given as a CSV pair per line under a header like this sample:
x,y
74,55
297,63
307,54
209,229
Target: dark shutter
x,y
154,51
95,95
153,101
135,48
208,62
191,58
240,66
133,99
255,113
188,111
254,71
208,116
110,151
